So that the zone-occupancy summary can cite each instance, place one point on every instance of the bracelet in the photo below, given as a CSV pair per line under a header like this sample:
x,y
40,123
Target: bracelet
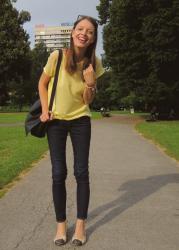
x,y
93,89
90,87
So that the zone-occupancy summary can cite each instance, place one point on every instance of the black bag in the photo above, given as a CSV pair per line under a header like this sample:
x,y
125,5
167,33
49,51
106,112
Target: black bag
x,y
33,123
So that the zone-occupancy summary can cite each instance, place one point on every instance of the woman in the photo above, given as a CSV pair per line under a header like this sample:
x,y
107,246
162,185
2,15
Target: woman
x,y
71,114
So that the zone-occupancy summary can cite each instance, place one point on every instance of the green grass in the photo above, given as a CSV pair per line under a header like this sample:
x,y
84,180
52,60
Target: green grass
x,y
127,112
20,117
163,133
14,108
17,152
12,117
96,115
121,112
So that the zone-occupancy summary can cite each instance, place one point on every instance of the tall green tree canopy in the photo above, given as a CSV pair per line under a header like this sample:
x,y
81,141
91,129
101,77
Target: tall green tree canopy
x,y
14,48
39,56
141,43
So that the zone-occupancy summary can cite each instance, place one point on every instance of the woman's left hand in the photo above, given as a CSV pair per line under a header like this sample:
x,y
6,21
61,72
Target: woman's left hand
x,y
89,75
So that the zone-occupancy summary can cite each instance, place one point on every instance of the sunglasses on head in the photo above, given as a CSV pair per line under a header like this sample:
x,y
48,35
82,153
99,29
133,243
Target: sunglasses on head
x,y
82,16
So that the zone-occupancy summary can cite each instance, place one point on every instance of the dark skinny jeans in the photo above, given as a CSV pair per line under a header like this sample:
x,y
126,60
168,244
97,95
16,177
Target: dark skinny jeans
x,y
79,130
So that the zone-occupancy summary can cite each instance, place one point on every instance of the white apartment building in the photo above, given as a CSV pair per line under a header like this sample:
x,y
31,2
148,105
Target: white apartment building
x,y
55,37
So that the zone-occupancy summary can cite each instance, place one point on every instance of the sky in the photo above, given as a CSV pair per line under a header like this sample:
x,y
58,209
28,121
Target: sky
x,y
55,12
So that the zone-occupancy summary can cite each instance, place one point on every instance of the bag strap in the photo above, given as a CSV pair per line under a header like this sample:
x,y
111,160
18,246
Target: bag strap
x,y
55,79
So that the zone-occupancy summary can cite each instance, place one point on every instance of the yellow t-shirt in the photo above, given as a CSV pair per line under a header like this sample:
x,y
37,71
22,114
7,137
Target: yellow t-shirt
x,y
68,102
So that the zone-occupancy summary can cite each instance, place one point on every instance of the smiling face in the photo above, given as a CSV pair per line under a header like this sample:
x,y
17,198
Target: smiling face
x,y
83,34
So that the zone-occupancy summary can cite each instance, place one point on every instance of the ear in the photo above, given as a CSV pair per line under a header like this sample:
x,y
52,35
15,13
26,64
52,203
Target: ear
x,y
72,33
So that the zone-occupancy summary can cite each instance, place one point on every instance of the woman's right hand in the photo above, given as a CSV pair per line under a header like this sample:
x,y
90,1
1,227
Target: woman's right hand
x,y
45,117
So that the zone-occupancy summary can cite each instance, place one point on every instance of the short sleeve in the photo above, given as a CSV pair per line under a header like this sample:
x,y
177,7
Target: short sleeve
x,y
50,66
99,68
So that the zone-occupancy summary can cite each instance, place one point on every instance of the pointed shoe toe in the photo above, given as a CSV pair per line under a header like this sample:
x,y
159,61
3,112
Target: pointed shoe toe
x,y
61,241
78,242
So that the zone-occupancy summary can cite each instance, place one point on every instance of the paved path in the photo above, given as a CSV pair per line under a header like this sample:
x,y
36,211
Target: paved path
x,y
134,197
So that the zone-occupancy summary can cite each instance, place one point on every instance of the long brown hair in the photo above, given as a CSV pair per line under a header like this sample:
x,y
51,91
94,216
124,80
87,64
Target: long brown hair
x,y
71,64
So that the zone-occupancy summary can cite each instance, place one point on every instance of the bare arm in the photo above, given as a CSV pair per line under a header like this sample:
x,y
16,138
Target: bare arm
x,y
43,93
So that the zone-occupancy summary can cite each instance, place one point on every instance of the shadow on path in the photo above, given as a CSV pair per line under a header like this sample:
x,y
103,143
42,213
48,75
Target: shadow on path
x,y
135,191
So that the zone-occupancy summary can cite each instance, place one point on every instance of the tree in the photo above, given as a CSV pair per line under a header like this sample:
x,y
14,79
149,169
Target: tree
x,y
161,31
102,98
104,12
141,43
39,56
14,48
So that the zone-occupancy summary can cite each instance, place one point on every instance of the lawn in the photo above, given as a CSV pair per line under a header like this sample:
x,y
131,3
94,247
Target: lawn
x,y
12,117
96,115
18,152
127,112
163,133
20,117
